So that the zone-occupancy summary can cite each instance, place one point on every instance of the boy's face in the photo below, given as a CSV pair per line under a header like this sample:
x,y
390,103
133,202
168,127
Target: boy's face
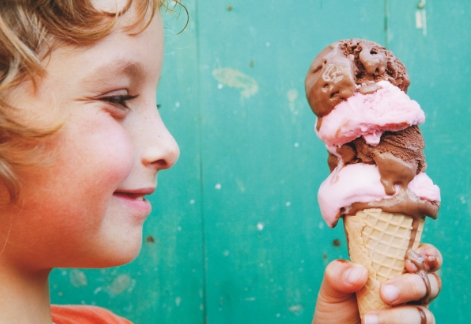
x,y
87,208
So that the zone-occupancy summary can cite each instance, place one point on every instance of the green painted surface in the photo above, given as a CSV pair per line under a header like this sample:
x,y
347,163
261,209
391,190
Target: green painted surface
x,y
236,235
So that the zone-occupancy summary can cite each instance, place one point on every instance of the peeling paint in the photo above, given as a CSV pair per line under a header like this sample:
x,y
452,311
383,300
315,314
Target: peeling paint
x,y
421,17
292,96
120,284
236,79
78,278
296,309
240,184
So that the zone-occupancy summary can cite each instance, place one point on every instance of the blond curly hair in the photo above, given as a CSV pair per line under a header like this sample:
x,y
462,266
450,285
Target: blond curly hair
x,y
29,30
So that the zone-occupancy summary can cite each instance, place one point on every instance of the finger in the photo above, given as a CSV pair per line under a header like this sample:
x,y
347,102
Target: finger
x,y
336,302
433,259
401,314
410,287
342,278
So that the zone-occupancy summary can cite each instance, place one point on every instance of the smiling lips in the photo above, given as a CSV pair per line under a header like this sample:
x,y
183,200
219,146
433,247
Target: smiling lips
x,y
137,194
136,198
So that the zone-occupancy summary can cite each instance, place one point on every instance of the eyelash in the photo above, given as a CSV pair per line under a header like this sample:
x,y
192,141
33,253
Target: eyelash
x,y
122,100
119,100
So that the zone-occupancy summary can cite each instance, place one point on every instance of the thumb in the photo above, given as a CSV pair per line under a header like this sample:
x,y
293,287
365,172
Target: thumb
x,y
336,302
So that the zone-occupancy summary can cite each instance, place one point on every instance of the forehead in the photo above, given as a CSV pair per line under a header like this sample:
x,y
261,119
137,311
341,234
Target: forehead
x,y
121,52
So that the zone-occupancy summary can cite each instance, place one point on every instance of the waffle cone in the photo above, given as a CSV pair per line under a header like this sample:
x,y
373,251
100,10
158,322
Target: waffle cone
x,y
378,241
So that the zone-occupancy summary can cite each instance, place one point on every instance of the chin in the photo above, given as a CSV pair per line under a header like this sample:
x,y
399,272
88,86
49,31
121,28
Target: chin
x,y
127,252
112,254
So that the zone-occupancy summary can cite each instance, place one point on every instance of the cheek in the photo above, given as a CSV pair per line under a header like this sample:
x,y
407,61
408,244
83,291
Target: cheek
x,y
93,158
107,160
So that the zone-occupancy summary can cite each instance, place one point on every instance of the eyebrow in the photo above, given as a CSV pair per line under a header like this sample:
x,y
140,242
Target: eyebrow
x,y
113,69
133,69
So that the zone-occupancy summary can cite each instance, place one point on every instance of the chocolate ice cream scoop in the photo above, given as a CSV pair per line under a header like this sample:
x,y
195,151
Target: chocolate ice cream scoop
x,y
407,145
348,66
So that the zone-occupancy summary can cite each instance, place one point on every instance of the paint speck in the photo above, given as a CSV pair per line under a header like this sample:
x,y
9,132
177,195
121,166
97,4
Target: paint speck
x,y
260,226
229,8
292,95
250,299
218,186
150,239
77,278
96,291
251,64
278,315
240,184
421,19
179,228
236,79
288,203
178,301
220,86
226,253
120,284
296,144
296,309
321,225
267,44
177,104
192,202
336,242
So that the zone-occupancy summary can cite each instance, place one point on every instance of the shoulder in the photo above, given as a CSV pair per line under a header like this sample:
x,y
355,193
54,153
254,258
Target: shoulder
x,y
68,314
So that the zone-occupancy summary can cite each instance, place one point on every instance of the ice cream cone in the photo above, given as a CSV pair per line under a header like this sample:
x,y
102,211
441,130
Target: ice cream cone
x,y
379,241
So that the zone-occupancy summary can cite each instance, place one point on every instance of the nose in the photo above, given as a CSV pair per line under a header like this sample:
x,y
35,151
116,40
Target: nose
x,y
161,151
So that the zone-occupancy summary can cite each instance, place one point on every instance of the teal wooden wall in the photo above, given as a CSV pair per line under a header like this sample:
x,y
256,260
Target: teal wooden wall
x,y
236,235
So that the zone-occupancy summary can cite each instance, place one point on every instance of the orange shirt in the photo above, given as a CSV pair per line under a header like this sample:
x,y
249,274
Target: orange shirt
x,y
84,315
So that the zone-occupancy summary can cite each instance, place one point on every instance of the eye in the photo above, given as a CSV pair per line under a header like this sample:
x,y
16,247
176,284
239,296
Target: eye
x,y
119,99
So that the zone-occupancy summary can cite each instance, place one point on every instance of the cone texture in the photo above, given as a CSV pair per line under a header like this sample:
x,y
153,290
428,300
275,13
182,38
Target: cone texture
x,y
378,241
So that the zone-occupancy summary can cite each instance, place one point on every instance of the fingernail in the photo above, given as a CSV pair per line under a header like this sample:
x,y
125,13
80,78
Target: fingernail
x,y
371,319
353,274
390,293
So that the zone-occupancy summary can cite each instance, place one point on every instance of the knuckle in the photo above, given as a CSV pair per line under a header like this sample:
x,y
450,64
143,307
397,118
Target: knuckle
x,y
429,315
417,286
425,315
436,285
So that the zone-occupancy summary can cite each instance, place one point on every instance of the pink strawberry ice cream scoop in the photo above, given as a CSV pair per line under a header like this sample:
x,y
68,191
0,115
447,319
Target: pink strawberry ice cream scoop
x,y
369,115
361,183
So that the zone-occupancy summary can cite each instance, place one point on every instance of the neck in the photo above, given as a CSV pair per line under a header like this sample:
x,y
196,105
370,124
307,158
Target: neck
x,y
24,296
